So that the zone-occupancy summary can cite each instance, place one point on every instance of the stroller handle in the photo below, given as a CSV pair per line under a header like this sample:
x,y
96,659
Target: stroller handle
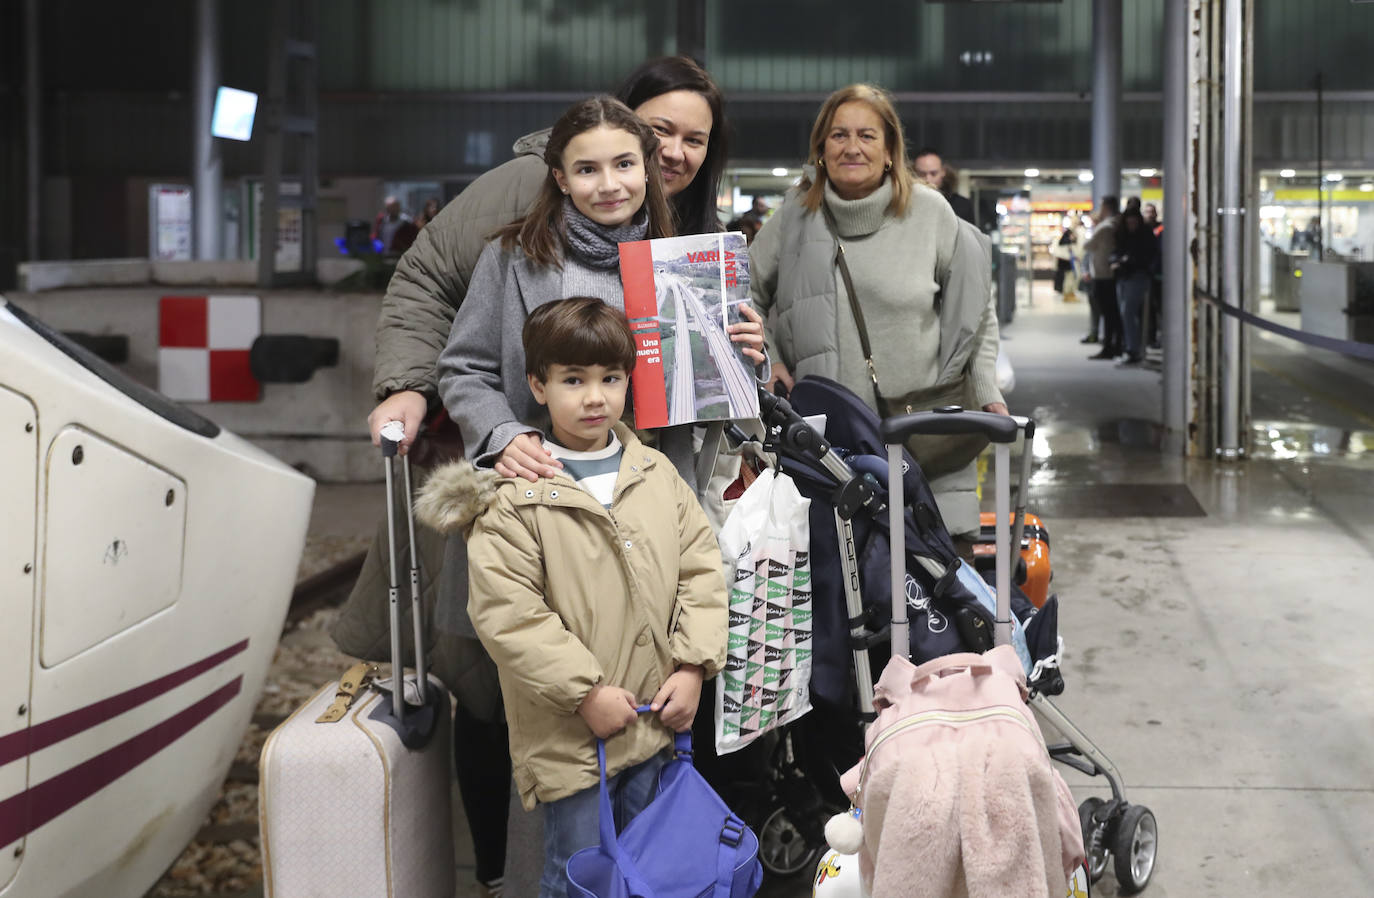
x,y
950,420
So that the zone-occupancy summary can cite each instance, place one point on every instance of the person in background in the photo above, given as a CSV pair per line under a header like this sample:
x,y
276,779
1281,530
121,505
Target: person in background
x,y
547,575
1063,252
932,171
1154,306
1102,279
427,214
758,212
1151,215
1133,264
394,228
903,247
749,223
745,225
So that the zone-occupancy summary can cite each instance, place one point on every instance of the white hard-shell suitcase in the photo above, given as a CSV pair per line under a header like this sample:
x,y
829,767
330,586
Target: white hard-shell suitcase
x,y
353,797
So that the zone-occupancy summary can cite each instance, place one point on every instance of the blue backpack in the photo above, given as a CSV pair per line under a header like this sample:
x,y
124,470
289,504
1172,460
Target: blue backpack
x,y
686,844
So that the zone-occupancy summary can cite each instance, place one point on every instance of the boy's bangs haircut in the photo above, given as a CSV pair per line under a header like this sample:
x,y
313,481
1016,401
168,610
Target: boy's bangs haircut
x,y
580,330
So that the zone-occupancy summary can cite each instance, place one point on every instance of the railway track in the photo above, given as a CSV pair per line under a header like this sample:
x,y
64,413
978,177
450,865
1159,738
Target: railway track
x,y
329,587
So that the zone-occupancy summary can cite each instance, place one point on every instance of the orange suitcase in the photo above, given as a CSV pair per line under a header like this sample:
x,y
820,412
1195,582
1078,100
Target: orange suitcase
x,y
1035,551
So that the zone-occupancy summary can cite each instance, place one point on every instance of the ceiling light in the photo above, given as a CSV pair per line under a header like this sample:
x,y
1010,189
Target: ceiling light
x,y
1032,172
1287,173
779,172
1335,176
1367,187
1147,172
1085,176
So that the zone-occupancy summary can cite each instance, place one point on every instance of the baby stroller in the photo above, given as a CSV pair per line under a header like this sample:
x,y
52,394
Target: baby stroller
x,y
844,473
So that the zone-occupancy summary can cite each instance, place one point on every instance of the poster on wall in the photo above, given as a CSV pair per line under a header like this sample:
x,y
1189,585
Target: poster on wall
x,y
169,222
289,227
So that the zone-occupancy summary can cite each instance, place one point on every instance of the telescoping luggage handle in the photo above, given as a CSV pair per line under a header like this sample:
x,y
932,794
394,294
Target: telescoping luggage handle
x,y
392,433
1001,430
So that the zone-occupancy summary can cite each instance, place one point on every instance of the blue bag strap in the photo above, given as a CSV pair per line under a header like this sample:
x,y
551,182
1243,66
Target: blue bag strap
x,y
731,834
610,842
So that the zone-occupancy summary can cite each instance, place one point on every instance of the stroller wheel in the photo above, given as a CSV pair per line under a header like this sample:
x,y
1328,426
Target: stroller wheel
x,y
1094,838
1133,849
783,849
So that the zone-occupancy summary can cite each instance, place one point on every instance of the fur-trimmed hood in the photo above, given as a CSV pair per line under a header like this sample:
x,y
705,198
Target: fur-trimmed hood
x,y
454,495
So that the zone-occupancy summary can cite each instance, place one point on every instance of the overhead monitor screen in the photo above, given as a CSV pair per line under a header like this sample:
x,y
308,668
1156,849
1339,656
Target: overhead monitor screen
x,y
234,111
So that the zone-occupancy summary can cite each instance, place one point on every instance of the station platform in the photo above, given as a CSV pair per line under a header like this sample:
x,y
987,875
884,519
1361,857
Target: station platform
x,y
1215,615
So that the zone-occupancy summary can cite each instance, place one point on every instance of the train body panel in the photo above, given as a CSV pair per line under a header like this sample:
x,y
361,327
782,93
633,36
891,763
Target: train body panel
x,y
161,553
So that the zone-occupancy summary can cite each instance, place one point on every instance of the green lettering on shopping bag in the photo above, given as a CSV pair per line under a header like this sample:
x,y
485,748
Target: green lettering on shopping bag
x,y
738,640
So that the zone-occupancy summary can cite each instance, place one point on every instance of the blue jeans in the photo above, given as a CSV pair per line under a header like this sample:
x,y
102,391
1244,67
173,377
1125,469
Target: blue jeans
x,y
571,824
1131,292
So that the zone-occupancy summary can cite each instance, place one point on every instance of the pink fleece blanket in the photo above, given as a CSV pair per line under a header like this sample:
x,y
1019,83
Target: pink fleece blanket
x,y
959,795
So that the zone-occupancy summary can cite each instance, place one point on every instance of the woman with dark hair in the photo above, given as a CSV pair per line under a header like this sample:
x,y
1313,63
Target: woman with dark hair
x,y
685,110
684,107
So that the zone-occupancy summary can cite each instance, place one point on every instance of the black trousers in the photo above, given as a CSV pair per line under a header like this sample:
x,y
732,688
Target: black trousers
x,y
481,756
1061,271
1104,298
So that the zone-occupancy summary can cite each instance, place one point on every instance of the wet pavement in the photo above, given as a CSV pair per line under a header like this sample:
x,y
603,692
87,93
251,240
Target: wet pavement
x,y
1219,660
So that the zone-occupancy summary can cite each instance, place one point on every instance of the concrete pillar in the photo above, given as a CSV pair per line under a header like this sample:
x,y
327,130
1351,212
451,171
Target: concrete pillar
x,y
207,169
33,130
1106,99
1177,282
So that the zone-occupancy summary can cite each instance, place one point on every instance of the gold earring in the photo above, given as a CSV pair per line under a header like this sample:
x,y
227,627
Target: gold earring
x,y
888,167
821,163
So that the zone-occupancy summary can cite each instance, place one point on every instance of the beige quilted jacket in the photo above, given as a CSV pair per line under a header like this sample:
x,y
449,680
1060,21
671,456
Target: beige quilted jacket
x,y
565,593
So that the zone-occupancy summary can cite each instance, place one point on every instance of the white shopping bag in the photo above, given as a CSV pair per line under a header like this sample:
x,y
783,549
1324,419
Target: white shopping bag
x,y
766,543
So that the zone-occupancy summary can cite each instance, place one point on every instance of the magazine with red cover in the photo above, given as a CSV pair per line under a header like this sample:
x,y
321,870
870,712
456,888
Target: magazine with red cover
x,y
681,293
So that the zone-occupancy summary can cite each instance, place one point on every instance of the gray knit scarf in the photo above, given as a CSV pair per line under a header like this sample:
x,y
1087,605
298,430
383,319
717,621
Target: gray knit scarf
x,y
598,246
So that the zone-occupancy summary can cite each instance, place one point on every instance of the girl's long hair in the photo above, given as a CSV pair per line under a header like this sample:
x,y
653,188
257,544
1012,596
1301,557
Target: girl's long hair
x,y
695,205
540,232
877,99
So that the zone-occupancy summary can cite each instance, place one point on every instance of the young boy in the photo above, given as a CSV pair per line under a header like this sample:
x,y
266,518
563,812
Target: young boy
x,y
595,591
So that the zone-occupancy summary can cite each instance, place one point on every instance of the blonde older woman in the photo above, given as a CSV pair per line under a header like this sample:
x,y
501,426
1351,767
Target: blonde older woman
x,y
910,324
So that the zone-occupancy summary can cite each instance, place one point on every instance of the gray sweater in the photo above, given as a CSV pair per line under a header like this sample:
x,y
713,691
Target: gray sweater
x,y
898,264
898,301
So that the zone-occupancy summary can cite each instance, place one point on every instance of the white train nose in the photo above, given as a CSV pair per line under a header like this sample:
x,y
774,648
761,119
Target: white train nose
x,y
147,558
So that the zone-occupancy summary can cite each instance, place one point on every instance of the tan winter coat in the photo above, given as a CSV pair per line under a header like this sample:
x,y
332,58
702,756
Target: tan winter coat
x,y
565,593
